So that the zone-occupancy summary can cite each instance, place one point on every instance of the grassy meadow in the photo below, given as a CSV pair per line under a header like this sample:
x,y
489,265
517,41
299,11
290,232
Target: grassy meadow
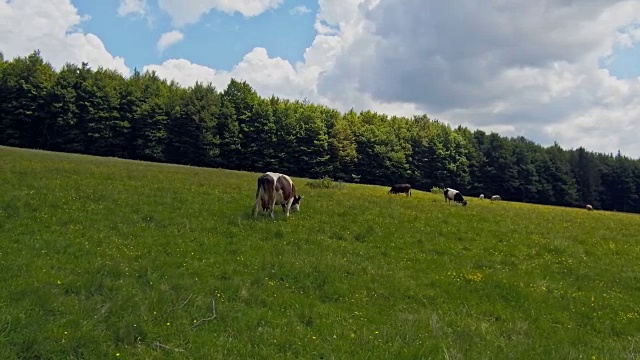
x,y
104,258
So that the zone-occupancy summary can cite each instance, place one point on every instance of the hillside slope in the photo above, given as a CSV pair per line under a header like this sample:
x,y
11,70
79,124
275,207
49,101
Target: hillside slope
x,y
106,258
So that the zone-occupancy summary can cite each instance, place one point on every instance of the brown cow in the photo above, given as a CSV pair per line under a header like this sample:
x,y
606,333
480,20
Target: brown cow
x,y
276,189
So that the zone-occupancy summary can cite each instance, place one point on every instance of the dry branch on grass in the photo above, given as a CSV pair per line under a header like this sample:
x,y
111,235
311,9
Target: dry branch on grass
x,y
181,306
159,346
213,311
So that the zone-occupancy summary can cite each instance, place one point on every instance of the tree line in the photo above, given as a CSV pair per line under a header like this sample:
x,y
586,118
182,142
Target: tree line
x,y
143,117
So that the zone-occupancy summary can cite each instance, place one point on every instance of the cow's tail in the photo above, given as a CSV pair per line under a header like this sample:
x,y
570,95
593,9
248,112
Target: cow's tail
x,y
261,190
258,189
254,211
268,196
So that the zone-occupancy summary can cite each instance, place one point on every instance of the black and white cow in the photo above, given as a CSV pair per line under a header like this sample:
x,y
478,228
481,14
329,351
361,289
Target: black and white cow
x,y
400,189
276,189
455,195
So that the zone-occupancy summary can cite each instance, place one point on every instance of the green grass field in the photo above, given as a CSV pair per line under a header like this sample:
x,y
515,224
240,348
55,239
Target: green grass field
x,y
113,259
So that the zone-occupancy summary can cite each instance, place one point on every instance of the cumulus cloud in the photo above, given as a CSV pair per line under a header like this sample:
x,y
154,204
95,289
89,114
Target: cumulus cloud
x,y
519,68
282,78
459,49
168,39
52,27
628,36
184,12
278,76
135,7
187,73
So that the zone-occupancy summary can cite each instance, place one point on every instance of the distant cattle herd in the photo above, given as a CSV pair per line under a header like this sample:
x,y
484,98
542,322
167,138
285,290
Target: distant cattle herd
x,y
278,189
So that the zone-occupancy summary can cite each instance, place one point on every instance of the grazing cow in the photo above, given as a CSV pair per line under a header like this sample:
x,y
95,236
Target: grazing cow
x,y
481,196
455,195
496,198
400,189
589,208
276,189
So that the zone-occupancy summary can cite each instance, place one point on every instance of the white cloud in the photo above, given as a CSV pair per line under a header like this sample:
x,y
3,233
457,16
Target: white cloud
x,y
52,27
184,12
187,73
168,39
135,7
477,66
278,76
520,68
628,36
282,78
299,10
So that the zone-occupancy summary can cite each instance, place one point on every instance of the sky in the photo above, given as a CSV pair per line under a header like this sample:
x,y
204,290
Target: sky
x,y
551,70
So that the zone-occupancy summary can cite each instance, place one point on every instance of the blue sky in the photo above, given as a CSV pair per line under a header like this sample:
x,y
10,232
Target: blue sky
x,y
624,63
218,40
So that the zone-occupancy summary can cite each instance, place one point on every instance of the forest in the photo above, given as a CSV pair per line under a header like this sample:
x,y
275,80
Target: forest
x,y
78,109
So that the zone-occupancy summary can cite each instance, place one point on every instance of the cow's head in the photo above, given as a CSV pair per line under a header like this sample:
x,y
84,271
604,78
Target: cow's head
x,y
295,205
464,202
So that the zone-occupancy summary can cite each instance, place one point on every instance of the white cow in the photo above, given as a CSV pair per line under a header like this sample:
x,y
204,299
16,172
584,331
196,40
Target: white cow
x,y
276,189
496,198
455,195
481,196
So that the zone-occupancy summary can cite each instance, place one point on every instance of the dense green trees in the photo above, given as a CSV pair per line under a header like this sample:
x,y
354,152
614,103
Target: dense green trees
x,y
99,112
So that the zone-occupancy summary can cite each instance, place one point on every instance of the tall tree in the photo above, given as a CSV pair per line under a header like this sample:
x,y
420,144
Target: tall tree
x,y
24,87
192,136
312,143
238,102
106,131
342,147
148,124
587,172
527,176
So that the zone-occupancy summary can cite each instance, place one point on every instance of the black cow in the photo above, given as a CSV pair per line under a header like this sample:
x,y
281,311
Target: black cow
x,y
400,189
455,195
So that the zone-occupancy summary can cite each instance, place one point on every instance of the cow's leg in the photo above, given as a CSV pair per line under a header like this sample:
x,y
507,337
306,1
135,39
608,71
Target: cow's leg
x,y
255,207
273,206
288,206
